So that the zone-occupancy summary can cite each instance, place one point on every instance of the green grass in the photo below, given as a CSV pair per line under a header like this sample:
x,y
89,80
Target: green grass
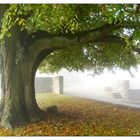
x,y
81,117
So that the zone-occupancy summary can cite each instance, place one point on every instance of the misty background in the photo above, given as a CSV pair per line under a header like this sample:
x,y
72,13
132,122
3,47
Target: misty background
x,y
84,84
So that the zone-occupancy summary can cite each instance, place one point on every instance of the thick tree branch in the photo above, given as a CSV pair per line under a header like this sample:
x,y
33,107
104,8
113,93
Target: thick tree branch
x,y
83,36
44,34
42,40
60,43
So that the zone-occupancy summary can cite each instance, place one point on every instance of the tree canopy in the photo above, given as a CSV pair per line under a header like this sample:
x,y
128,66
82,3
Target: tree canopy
x,y
108,34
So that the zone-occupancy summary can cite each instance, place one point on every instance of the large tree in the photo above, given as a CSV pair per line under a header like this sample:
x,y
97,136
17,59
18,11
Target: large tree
x,y
75,37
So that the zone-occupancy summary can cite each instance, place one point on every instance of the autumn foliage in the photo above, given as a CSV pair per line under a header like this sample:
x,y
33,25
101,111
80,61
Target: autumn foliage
x,y
80,117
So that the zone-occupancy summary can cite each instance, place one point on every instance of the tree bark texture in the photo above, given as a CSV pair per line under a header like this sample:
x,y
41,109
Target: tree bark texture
x,y
19,65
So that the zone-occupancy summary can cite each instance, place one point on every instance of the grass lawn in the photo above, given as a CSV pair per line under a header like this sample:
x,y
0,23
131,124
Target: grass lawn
x,y
81,117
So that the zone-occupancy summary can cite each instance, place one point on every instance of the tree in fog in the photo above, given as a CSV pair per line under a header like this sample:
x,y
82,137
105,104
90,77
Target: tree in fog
x,y
75,37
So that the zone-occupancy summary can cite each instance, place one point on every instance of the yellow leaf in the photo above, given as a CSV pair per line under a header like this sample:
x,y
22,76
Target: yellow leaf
x,y
21,21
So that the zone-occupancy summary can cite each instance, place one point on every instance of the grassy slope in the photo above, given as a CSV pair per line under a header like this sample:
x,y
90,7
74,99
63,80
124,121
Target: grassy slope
x,y
79,116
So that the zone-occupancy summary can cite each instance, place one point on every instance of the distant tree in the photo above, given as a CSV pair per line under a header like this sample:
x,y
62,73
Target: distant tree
x,y
72,36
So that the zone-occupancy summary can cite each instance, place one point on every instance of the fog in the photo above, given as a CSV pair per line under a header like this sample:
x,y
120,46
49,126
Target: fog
x,y
84,84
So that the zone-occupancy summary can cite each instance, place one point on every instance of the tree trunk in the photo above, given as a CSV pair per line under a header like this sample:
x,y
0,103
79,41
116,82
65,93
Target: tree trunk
x,y
32,108
18,103
19,62
13,109
30,67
